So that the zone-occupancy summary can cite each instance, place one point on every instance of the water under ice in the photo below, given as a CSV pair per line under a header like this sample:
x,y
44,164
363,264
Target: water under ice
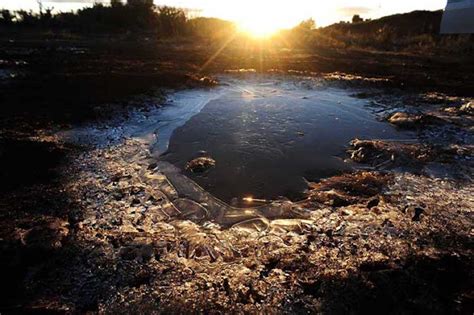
x,y
266,134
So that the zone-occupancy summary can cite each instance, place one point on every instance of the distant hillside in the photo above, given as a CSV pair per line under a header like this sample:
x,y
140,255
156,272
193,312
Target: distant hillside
x,y
417,31
407,24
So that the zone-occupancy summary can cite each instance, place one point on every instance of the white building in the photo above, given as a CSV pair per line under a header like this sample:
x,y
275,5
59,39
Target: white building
x,y
458,17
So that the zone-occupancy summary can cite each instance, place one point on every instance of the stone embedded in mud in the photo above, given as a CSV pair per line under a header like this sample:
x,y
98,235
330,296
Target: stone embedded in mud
x,y
467,108
385,154
197,81
405,120
200,165
460,114
377,153
207,81
360,155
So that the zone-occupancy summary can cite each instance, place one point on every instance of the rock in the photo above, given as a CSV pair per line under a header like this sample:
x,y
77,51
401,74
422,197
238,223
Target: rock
x,y
200,165
359,155
387,154
467,108
198,81
404,120
207,81
451,110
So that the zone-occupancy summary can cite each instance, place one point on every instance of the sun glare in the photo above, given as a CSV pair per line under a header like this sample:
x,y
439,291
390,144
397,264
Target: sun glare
x,y
263,19
259,28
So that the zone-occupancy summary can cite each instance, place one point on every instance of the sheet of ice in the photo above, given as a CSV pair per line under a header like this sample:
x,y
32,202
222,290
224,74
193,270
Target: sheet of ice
x,y
154,126
175,113
269,134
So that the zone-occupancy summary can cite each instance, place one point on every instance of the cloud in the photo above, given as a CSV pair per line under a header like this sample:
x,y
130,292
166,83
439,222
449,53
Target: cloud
x,y
350,11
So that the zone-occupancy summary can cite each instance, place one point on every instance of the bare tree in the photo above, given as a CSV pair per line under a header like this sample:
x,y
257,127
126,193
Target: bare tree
x,y
40,5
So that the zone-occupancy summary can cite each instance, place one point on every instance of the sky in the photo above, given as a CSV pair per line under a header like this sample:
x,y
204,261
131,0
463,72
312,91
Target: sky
x,y
284,13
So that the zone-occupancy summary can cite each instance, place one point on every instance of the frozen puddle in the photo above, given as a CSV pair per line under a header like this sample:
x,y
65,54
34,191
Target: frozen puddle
x,y
267,135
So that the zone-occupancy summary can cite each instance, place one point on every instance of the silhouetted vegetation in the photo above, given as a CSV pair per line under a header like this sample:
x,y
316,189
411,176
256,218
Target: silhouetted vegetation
x,y
6,17
416,31
210,28
300,35
357,19
118,17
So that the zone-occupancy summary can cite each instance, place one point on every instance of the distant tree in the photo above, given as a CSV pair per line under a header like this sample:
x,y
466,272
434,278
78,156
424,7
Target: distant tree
x,y
27,18
307,25
47,15
212,29
116,3
137,16
6,17
172,20
357,19
302,33
40,6
139,3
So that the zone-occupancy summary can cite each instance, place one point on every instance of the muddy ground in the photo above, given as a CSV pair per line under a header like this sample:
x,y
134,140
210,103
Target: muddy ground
x,y
110,229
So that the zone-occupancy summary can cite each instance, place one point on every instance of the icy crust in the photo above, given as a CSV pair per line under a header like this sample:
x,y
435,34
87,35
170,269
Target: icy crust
x,y
156,242
394,236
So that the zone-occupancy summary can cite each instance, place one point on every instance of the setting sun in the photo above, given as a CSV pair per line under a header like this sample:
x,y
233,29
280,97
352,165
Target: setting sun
x,y
263,19
259,27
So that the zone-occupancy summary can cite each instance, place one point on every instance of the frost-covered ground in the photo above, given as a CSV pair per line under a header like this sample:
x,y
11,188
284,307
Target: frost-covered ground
x,y
395,235
133,234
